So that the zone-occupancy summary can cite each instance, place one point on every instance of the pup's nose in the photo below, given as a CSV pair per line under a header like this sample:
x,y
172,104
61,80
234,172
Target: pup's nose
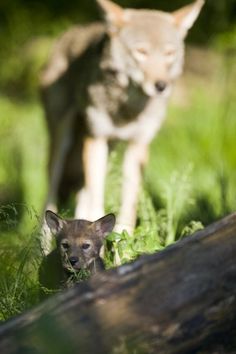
x,y
73,260
160,85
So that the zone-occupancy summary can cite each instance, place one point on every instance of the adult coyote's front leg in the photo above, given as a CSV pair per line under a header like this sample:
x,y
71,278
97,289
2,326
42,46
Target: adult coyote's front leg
x,y
90,199
59,148
60,144
135,158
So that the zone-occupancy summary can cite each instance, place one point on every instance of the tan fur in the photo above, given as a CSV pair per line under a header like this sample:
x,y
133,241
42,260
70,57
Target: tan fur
x,y
110,81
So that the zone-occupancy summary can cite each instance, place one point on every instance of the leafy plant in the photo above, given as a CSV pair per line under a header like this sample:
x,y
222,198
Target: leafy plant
x,y
157,229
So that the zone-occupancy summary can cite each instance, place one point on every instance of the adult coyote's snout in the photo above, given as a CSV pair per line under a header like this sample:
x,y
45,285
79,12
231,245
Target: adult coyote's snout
x,y
110,81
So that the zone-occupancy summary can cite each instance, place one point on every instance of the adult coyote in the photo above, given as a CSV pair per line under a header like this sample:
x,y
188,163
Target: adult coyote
x,y
110,81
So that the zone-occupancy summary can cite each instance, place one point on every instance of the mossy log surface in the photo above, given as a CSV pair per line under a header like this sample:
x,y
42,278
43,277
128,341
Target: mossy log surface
x,y
179,300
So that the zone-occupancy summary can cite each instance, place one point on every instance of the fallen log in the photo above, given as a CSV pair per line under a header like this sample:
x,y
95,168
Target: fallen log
x,y
180,300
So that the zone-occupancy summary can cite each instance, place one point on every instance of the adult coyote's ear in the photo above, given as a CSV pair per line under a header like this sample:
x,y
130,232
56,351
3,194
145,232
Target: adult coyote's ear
x,y
114,14
187,15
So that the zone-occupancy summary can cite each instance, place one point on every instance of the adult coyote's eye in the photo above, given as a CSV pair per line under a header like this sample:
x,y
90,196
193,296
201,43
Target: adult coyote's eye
x,y
140,53
169,53
86,246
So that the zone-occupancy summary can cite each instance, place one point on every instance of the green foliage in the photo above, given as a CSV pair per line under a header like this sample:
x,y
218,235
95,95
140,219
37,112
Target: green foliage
x,y
22,154
227,39
157,228
20,259
76,276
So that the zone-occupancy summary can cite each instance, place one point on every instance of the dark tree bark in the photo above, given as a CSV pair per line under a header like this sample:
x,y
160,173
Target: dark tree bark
x,y
180,300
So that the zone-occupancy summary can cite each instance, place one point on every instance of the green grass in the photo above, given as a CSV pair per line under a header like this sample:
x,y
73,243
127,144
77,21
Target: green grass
x,y
189,182
20,258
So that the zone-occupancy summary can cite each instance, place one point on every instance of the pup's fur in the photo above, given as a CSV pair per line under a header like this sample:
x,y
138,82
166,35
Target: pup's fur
x,y
79,243
110,81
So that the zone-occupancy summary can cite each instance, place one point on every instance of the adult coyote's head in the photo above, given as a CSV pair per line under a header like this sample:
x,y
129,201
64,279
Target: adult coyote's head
x,y
147,45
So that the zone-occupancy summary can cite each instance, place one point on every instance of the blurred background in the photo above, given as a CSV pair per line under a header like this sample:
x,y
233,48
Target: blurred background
x,y
196,143
191,176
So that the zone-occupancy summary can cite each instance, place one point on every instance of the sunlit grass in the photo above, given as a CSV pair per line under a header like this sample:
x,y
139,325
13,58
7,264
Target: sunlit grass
x,y
22,155
201,135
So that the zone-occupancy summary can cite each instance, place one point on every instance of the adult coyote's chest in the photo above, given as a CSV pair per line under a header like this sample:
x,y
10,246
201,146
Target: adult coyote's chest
x,y
125,105
122,104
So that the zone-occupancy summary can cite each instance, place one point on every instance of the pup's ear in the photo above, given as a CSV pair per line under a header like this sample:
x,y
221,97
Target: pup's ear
x,y
114,14
54,222
105,225
186,16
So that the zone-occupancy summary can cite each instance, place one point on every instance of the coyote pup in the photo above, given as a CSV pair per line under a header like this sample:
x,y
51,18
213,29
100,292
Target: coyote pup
x,y
110,81
79,243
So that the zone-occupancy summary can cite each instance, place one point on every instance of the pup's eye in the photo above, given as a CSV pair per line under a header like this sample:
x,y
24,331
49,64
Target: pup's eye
x,y
65,245
86,246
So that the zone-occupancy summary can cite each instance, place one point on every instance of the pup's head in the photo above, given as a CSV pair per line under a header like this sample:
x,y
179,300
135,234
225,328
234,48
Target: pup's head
x,y
147,45
79,241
